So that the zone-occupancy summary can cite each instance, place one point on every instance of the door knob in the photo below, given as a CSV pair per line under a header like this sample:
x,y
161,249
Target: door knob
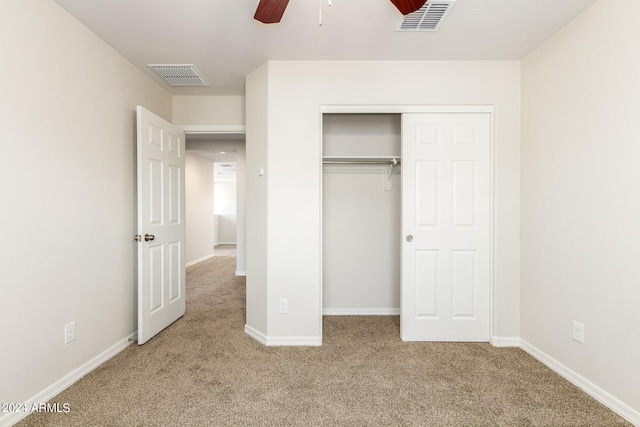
x,y
148,237
137,238
409,238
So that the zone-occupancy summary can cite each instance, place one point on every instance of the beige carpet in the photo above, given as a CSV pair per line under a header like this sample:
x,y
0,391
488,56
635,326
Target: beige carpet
x,y
224,250
204,371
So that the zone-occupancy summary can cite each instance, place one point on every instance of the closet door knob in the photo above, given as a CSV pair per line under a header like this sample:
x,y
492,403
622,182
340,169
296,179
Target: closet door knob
x,y
409,238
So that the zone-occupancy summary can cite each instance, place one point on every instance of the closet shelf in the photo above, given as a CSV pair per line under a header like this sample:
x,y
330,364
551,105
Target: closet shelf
x,y
387,160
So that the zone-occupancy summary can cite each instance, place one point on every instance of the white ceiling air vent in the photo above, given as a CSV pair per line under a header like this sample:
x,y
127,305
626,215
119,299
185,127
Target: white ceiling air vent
x,y
179,74
428,18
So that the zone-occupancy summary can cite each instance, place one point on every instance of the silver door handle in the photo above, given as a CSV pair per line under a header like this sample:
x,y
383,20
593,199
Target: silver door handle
x,y
409,238
137,238
148,237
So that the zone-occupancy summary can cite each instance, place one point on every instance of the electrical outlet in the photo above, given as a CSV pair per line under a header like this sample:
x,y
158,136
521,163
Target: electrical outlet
x,y
70,332
578,332
284,306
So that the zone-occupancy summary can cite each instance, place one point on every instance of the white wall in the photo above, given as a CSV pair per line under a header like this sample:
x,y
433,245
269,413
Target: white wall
x,y
226,229
241,210
209,110
256,183
68,124
199,208
580,204
283,123
225,196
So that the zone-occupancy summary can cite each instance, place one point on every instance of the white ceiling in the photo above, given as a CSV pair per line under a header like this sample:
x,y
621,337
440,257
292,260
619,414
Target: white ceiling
x,y
225,43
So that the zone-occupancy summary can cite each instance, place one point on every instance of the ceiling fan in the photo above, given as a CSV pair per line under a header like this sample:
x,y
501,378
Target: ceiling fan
x,y
271,11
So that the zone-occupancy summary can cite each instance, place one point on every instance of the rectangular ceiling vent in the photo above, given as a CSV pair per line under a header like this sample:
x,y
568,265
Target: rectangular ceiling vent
x,y
428,18
179,74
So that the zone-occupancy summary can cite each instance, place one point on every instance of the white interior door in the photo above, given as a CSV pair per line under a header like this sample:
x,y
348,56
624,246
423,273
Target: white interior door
x,y
446,192
161,230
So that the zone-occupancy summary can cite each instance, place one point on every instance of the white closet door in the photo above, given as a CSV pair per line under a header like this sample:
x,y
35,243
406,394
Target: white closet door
x,y
446,191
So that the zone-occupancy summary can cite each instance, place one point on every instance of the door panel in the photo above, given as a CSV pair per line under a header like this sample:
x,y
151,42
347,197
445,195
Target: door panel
x,y
463,280
463,189
427,193
426,301
446,190
161,266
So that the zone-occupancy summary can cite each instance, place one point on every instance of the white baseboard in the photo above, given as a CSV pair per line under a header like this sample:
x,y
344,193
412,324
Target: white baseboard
x,y
505,341
282,341
256,335
204,258
65,382
620,408
294,341
360,311
241,273
224,243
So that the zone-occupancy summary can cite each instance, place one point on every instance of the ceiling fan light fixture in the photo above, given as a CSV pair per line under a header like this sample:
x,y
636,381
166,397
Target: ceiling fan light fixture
x,y
270,11
408,6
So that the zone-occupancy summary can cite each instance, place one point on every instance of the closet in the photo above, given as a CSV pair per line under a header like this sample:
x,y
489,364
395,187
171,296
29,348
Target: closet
x,y
418,242
361,223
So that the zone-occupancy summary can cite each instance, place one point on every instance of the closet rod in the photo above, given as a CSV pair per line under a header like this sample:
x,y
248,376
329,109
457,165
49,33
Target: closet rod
x,y
362,162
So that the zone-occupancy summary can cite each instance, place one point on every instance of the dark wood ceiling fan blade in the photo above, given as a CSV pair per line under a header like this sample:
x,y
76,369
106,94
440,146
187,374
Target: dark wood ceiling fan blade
x,y
407,6
270,11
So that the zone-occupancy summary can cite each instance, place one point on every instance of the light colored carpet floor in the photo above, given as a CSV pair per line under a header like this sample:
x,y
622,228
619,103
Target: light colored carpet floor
x,y
224,250
204,371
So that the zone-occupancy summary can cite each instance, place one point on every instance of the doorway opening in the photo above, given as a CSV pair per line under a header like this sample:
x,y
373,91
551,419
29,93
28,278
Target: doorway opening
x,y
215,197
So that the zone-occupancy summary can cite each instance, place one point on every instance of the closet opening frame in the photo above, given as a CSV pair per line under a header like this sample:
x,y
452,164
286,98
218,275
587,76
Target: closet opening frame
x,y
406,109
